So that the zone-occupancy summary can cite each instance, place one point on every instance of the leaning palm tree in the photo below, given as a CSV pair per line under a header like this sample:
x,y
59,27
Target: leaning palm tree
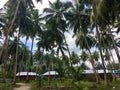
x,y
107,45
107,18
13,7
17,21
104,18
86,42
78,19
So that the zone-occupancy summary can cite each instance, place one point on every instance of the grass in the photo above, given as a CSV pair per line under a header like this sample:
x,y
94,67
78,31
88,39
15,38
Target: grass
x,y
81,85
36,85
85,85
6,86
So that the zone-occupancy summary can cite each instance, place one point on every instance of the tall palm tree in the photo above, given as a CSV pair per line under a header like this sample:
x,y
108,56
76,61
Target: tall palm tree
x,y
78,19
36,28
78,16
86,42
107,18
13,47
23,22
12,8
56,21
99,24
6,39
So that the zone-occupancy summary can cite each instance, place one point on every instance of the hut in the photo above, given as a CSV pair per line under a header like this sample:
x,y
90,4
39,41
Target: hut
x,y
89,74
23,75
51,74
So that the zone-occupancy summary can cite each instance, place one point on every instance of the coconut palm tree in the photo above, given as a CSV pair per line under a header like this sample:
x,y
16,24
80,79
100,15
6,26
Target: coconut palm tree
x,y
85,42
78,20
20,7
11,53
36,28
84,57
107,18
56,21
104,18
61,48
75,59
12,8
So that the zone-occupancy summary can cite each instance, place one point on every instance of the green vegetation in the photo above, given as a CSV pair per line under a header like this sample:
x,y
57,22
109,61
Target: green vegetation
x,y
6,86
53,84
81,85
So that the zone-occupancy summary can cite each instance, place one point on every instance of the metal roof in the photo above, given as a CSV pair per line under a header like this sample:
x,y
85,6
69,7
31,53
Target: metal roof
x,y
92,71
25,74
50,73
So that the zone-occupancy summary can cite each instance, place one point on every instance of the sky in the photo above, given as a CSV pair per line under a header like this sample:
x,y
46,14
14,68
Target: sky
x,y
70,40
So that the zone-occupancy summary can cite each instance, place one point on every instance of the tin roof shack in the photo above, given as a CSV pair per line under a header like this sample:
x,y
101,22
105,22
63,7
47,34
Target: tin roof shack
x,y
52,75
22,76
89,74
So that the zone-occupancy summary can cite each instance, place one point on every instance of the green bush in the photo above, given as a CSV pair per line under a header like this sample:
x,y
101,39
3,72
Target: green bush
x,y
6,86
37,85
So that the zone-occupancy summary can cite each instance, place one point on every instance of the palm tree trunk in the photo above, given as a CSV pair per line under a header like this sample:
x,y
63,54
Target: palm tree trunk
x,y
4,58
111,67
114,45
29,60
19,69
9,30
49,72
3,70
16,58
102,58
99,45
91,60
40,60
22,64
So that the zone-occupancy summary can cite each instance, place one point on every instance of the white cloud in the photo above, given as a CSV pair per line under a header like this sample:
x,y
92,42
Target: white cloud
x,y
71,42
2,2
44,4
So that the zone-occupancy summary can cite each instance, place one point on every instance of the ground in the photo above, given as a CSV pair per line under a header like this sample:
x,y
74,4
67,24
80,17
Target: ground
x,y
22,86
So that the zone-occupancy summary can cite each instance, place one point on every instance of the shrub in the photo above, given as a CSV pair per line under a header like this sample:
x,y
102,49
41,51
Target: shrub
x,y
6,86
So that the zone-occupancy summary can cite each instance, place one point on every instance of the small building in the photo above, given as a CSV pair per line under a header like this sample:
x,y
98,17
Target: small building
x,y
51,74
23,75
89,74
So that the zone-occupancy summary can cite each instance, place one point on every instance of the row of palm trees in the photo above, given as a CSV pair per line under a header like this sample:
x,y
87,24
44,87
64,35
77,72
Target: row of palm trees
x,y
93,23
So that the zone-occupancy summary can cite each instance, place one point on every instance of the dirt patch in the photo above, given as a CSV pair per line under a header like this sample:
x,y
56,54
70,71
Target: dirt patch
x,y
22,86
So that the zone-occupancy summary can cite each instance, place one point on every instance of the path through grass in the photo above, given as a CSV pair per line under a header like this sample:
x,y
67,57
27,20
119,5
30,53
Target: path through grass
x,y
22,86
